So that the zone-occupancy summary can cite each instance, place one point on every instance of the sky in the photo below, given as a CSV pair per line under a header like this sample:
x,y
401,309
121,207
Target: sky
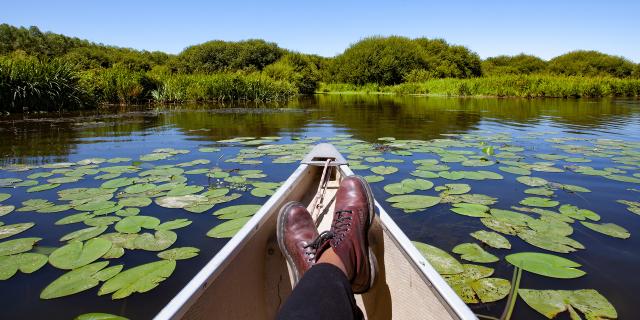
x,y
541,27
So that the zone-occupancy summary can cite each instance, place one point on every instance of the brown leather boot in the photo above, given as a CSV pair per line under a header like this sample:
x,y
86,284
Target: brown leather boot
x,y
296,232
354,213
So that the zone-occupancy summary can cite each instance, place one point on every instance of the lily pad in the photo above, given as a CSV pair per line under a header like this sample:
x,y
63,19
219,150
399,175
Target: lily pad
x,y
610,229
77,254
383,170
492,239
84,234
413,202
552,302
4,196
17,246
25,262
547,265
5,210
577,213
261,192
161,240
174,224
141,279
532,181
227,229
13,229
133,224
515,170
99,316
179,253
454,188
43,187
184,190
239,211
474,253
439,259
474,285
471,210
78,280
139,202
181,201
539,202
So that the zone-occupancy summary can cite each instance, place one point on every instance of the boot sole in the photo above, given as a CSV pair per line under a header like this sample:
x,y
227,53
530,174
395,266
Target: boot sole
x,y
373,262
280,236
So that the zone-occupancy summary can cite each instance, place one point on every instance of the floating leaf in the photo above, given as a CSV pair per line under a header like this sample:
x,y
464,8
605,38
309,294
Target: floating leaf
x,y
43,187
452,175
101,221
78,280
74,218
610,229
4,196
77,254
492,239
139,188
474,284
413,202
261,192
179,253
539,202
25,262
180,201
471,209
184,190
532,181
117,183
4,210
474,253
133,224
551,242
239,211
84,234
383,170
547,265
17,246
577,213
439,259
552,302
97,205
13,229
99,316
141,279
139,202
454,188
227,229
539,191
515,170
174,224
161,240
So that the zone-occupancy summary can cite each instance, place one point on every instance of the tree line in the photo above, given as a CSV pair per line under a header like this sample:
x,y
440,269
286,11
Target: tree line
x,y
35,65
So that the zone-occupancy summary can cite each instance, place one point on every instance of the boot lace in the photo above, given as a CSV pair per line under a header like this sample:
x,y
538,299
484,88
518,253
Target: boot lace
x,y
341,224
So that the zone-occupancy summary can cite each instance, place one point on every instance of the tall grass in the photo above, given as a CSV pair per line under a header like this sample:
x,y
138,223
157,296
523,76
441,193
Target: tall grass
x,y
528,86
34,85
222,87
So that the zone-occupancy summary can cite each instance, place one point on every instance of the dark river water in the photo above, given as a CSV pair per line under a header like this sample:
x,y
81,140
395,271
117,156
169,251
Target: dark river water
x,y
611,264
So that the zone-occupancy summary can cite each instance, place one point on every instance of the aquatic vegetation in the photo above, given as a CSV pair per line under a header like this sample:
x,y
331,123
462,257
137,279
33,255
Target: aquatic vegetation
x,y
546,265
80,279
138,279
552,302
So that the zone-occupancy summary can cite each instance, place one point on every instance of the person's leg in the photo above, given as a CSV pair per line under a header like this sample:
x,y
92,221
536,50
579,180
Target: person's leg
x,y
323,293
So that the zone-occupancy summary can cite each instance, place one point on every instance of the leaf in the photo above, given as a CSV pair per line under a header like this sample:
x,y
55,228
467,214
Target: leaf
x,y
539,191
577,213
408,185
5,210
184,190
492,239
13,229
474,284
239,211
77,254
383,170
515,170
174,224
43,187
161,240
84,234
413,202
179,253
471,210
261,192
139,202
117,183
453,188
141,279
227,229
181,201
451,175
552,302
547,265
133,224
99,316
97,205
610,229
74,218
474,253
551,242
439,259
78,280
532,181
539,202
17,246
4,196
25,262
101,221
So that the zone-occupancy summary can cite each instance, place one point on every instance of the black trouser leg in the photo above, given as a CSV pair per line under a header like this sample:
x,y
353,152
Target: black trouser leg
x,y
324,292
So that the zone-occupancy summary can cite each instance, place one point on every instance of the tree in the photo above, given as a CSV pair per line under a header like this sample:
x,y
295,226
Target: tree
x,y
591,63
216,56
518,64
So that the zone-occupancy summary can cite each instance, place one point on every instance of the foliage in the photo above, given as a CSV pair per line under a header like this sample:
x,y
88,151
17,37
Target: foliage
x,y
218,55
591,64
298,69
518,64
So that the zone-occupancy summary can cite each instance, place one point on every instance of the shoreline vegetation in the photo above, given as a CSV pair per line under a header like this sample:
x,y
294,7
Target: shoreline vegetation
x,y
44,71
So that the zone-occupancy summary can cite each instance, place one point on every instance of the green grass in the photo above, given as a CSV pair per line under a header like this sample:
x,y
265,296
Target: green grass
x,y
528,86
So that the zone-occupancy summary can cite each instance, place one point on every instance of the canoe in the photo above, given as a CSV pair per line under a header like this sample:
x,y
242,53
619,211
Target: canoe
x,y
249,278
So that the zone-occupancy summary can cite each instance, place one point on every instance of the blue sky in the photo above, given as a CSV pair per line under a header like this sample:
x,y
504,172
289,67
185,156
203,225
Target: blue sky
x,y
541,27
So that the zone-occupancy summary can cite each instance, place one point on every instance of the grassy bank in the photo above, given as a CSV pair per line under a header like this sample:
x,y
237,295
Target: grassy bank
x,y
528,86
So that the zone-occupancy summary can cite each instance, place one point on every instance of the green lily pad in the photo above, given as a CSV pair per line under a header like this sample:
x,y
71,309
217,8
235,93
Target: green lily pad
x,y
97,205
184,190
181,201
474,253
577,213
17,246
13,229
101,221
99,316
547,265
139,202
515,170
133,224
141,279
539,191
117,183
261,192
425,174
539,202
471,210
407,186
5,210
84,234
383,170
139,188
492,239
610,229
4,196
551,242
239,211
181,253
373,178
474,286
439,259
161,240
552,302
78,280
454,188
452,175
25,262
532,181
516,218
501,226
77,254
74,218
413,202
43,187
174,224
227,229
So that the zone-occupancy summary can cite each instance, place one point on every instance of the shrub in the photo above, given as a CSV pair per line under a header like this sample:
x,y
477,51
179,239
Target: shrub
x,y
297,69
216,56
591,63
518,64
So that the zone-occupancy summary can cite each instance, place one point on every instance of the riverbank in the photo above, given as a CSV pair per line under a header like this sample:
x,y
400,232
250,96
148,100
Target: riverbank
x,y
524,86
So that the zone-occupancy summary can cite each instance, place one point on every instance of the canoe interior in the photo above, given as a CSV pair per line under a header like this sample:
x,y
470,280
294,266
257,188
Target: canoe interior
x,y
253,281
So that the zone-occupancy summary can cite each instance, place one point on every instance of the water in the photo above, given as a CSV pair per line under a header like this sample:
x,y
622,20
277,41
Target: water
x,y
610,263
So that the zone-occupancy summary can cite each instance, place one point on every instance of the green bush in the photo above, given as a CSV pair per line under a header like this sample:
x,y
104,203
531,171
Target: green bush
x,y
518,64
217,56
118,85
298,69
449,61
591,64
29,84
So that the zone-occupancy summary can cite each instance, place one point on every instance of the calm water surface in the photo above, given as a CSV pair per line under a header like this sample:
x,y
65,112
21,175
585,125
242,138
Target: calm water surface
x,y
611,264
